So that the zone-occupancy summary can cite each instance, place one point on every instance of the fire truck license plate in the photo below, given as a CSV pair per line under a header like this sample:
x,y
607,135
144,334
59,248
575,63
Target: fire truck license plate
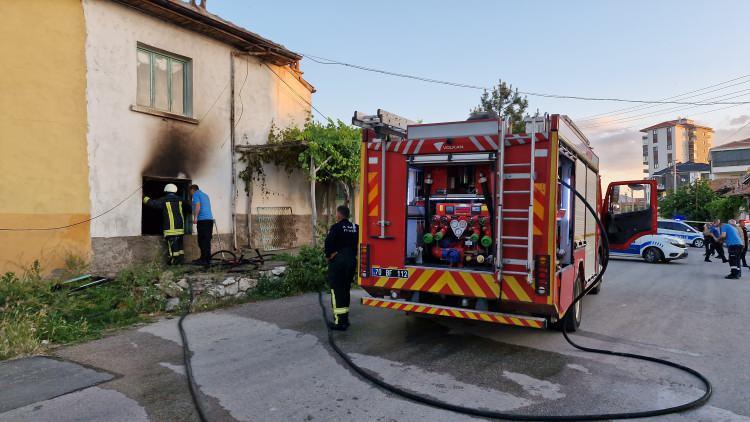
x,y
390,273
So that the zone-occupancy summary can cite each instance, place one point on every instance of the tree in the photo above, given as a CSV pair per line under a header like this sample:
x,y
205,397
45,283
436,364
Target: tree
x,y
504,101
332,155
725,208
689,201
328,152
697,202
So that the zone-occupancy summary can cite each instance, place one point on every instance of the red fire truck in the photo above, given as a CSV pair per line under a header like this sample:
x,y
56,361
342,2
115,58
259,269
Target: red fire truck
x,y
468,220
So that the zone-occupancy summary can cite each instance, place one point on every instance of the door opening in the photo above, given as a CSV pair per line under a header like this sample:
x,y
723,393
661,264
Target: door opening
x,y
151,219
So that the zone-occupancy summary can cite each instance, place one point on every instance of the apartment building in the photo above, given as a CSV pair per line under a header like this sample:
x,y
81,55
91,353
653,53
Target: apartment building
x,y
679,140
731,160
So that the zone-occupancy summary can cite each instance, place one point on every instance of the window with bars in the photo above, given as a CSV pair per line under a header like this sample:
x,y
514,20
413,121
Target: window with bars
x,y
164,81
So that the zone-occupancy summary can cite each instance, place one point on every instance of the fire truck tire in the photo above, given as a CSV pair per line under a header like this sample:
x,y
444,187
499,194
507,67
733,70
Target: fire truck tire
x,y
653,255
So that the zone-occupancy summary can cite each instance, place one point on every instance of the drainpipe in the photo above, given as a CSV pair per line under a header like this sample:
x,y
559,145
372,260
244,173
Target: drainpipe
x,y
233,199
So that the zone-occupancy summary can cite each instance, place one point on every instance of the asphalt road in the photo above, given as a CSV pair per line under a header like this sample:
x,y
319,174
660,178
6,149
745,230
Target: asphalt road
x,y
269,361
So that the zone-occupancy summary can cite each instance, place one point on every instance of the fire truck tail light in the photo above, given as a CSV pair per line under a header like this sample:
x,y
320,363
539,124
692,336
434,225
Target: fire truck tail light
x,y
542,264
364,260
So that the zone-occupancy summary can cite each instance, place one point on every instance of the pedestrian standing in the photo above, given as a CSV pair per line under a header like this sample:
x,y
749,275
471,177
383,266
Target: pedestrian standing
x,y
203,219
341,252
708,241
743,256
718,240
731,236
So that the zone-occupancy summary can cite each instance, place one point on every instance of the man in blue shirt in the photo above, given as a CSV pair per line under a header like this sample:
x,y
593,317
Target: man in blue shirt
x,y
732,238
204,222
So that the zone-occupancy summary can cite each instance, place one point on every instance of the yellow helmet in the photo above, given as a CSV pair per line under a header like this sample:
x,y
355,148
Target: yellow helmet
x,y
170,188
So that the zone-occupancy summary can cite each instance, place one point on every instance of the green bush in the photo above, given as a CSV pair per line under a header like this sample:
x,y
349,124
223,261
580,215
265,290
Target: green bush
x,y
306,272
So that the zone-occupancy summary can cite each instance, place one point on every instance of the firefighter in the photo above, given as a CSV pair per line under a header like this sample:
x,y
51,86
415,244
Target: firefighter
x,y
341,252
731,236
173,221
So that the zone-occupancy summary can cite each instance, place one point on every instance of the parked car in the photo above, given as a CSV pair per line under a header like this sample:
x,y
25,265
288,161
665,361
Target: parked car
x,y
676,228
653,248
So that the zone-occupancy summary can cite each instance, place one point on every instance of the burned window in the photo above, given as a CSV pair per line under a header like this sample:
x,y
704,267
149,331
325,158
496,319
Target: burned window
x,y
164,81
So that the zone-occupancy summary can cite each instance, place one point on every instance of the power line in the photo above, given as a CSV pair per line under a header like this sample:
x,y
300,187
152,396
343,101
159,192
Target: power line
x,y
629,110
325,61
296,93
660,112
73,224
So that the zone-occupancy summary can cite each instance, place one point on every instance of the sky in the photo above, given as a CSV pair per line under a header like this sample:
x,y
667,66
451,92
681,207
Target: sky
x,y
634,50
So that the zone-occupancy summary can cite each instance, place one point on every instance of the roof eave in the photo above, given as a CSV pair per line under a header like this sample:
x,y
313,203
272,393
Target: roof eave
x,y
200,21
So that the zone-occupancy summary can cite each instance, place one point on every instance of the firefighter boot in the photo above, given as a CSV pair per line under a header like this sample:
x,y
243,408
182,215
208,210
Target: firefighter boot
x,y
341,322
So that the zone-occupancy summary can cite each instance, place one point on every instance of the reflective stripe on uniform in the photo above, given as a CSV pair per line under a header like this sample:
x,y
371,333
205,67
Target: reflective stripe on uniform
x,y
170,215
174,232
182,217
336,310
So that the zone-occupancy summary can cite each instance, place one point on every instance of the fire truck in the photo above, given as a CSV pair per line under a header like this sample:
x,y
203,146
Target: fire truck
x,y
468,220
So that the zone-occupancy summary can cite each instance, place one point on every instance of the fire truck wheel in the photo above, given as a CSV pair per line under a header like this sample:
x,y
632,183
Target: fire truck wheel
x,y
653,255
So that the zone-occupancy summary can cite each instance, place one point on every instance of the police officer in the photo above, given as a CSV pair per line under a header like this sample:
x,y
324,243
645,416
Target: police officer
x,y
341,252
173,221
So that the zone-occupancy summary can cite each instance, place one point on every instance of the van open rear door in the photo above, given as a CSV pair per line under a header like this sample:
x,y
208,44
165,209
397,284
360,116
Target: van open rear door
x,y
629,211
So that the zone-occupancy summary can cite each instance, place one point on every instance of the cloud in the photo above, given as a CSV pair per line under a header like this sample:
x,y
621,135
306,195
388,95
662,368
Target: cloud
x,y
740,120
620,154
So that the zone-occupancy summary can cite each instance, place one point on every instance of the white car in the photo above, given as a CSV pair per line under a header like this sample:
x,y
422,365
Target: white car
x,y
653,248
682,230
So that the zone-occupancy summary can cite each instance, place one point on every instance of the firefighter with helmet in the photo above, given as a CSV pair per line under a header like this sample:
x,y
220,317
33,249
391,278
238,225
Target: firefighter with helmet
x,y
173,221
341,252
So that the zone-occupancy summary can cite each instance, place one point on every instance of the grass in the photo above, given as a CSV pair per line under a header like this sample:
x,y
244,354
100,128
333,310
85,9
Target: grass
x,y
33,315
305,272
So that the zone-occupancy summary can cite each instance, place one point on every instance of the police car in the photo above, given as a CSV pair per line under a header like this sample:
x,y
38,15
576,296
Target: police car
x,y
653,248
676,228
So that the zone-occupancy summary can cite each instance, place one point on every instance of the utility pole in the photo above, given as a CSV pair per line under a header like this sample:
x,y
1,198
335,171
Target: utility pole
x,y
674,176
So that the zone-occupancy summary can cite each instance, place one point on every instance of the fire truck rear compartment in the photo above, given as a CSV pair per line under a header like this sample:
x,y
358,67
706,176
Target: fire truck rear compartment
x,y
449,215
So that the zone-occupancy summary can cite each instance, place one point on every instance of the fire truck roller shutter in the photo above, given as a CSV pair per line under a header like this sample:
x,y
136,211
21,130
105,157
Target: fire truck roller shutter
x,y
592,186
579,226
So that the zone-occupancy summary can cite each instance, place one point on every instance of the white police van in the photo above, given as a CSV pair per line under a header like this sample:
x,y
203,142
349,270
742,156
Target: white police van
x,y
629,214
682,230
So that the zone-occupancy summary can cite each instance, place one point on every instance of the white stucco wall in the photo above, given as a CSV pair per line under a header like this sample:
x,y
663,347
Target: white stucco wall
x,y
124,144
266,100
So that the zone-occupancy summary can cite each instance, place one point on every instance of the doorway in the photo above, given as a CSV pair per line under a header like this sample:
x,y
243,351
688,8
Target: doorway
x,y
151,219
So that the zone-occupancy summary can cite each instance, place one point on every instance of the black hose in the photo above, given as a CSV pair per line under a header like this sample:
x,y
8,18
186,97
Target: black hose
x,y
521,417
186,354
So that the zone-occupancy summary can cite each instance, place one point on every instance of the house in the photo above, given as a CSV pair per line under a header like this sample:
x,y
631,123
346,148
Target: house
x,y
684,173
107,100
680,140
731,160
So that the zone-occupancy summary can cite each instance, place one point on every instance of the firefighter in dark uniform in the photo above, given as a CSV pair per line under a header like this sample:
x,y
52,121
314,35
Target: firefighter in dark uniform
x,y
341,252
173,222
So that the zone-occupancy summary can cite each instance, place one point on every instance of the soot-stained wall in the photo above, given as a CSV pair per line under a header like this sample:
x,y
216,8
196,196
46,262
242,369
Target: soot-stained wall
x,y
126,145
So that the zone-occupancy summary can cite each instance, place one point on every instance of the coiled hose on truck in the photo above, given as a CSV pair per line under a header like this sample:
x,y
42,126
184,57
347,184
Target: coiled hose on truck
x,y
429,401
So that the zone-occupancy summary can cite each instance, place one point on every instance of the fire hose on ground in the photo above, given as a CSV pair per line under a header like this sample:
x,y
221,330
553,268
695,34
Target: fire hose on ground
x,y
436,403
